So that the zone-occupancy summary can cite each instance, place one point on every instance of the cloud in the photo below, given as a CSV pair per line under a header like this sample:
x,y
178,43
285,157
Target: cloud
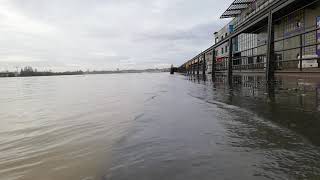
x,y
109,34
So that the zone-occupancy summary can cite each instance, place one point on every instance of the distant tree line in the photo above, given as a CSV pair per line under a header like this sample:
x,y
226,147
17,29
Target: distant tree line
x,y
7,74
29,71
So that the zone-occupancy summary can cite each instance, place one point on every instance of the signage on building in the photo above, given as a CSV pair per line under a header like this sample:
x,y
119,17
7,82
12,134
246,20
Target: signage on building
x,y
231,28
318,36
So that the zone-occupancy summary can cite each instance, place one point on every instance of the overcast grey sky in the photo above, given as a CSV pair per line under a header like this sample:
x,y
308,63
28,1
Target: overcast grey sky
x,y
105,34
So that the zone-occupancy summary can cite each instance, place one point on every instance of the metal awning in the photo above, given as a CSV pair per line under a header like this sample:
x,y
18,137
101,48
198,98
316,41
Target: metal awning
x,y
236,8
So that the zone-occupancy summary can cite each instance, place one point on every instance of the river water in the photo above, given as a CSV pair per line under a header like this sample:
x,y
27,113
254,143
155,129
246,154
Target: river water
x,y
157,126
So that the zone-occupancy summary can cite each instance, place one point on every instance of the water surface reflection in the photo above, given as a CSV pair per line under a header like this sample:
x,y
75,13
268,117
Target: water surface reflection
x,y
281,121
292,101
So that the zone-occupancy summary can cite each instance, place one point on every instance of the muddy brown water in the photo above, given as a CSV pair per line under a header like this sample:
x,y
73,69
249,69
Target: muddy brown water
x,y
159,126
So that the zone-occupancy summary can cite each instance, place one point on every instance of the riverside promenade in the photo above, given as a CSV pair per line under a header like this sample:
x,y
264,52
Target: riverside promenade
x,y
268,37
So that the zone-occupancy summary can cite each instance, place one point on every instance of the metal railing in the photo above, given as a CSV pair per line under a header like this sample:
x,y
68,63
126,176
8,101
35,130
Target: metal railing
x,y
222,64
300,55
254,61
298,51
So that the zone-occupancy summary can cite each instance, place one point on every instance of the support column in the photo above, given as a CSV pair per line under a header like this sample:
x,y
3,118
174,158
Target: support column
x,y
187,69
213,65
193,70
270,51
317,97
230,63
204,64
198,67
301,51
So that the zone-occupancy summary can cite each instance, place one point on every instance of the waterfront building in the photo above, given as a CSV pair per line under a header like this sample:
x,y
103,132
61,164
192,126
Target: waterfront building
x,y
265,36
221,51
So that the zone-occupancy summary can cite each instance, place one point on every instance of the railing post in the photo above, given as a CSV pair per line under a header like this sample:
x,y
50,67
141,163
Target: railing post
x,y
230,63
204,64
270,50
213,65
301,52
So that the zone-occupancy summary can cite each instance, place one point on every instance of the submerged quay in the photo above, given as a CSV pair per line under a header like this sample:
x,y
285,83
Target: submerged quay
x,y
159,126
267,37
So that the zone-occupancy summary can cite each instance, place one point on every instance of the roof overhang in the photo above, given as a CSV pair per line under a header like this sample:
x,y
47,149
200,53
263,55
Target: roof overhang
x,y
236,8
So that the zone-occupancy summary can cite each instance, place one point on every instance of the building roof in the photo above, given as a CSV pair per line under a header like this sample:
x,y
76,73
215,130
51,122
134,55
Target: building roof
x,y
236,8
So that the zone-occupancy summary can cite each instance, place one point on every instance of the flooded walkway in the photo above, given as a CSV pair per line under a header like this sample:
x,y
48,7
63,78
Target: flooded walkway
x,y
157,126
